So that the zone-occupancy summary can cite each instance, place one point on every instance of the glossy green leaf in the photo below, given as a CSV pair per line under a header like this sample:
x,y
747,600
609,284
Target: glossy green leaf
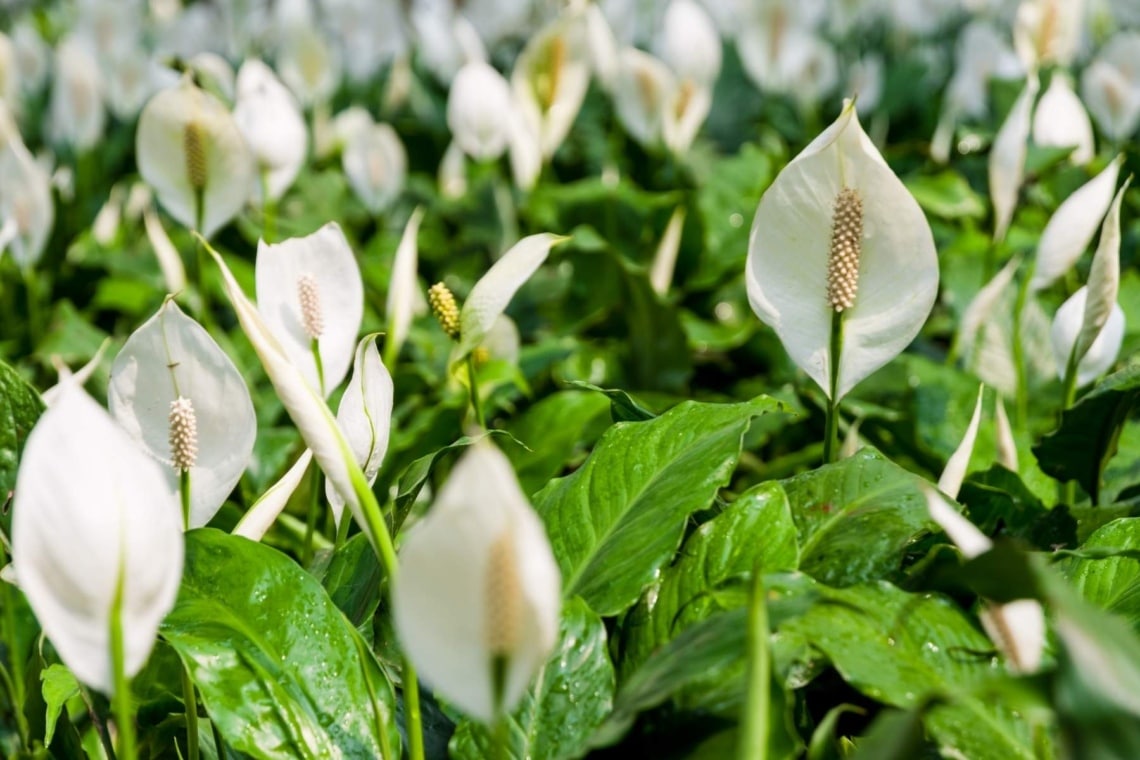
x,y
20,407
352,577
947,195
280,670
755,530
556,430
620,517
855,518
567,700
1000,503
623,407
1087,438
1112,583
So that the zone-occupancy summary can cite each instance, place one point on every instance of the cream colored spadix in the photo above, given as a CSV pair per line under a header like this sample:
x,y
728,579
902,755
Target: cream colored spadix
x,y
172,357
93,513
478,582
795,235
189,148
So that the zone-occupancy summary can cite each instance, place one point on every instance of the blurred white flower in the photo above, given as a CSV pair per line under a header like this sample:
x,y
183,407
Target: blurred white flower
x,y
1007,158
602,46
477,601
453,172
446,40
192,153
131,78
255,522
32,56
370,34
1110,86
311,298
1101,355
172,359
665,258
480,111
690,44
27,210
404,297
642,91
375,164
94,520
781,51
308,64
950,482
1048,31
9,72
215,73
838,236
1061,121
77,112
271,122
169,261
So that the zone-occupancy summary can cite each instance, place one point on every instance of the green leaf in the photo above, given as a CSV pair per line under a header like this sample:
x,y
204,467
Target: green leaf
x,y
947,195
615,521
855,518
567,700
352,575
1001,504
755,530
1087,438
555,429
281,672
59,686
20,407
623,407
1112,583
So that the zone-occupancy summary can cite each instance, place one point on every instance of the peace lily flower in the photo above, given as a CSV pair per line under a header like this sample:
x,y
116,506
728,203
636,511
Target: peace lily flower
x,y
77,112
1048,31
1017,628
1110,85
550,78
365,416
189,148
404,295
479,111
254,523
690,44
376,165
445,40
643,87
1061,120
26,206
477,600
950,482
185,404
665,259
95,536
838,237
270,120
169,261
308,63
311,298
1072,226
1007,158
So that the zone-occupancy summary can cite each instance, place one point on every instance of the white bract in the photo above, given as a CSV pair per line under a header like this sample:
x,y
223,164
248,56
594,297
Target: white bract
x,y
1007,158
171,357
271,122
1110,85
375,164
404,296
266,509
479,591
550,78
1048,31
836,197
1101,353
26,206
189,148
93,517
311,296
479,111
950,482
1061,120
365,416
642,89
77,112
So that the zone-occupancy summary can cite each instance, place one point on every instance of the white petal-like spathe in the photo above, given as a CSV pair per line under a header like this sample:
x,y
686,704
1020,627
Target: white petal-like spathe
x,y
490,296
365,416
167,125
1061,120
403,286
665,259
550,78
1104,276
1048,31
173,271
1018,630
1072,226
643,88
602,46
89,505
25,196
442,603
1003,435
686,111
453,171
270,120
789,248
1007,158
689,42
955,472
479,111
965,535
376,164
1103,351
254,524
1110,86
172,356
325,260
77,112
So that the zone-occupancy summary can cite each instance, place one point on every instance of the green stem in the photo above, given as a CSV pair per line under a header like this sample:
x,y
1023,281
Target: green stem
x,y
342,531
219,742
14,680
412,711
1067,490
268,210
184,493
508,216
754,732
190,701
1021,408
315,348
313,511
474,389
499,736
124,710
831,426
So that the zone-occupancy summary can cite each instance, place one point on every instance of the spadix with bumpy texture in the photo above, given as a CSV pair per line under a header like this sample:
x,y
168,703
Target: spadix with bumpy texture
x,y
837,235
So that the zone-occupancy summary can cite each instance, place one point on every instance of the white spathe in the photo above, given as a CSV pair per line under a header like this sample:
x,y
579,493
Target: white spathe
x,y
77,111
93,512
364,416
185,136
444,602
1101,354
479,111
1110,86
254,523
172,356
271,122
689,43
324,263
27,209
789,249
1104,277
376,165
950,482
1007,158
403,287
1061,120
550,78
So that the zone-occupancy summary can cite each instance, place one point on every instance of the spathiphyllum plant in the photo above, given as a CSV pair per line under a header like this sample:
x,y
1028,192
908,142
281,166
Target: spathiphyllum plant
x,y
271,122
184,402
189,148
841,261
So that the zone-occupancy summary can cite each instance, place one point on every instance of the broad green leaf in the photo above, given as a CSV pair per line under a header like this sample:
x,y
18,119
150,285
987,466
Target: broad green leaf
x,y
1001,504
1112,583
947,195
20,407
755,530
900,648
59,686
855,518
555,429
568,699
281,671
1087,438
620,517
352,576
